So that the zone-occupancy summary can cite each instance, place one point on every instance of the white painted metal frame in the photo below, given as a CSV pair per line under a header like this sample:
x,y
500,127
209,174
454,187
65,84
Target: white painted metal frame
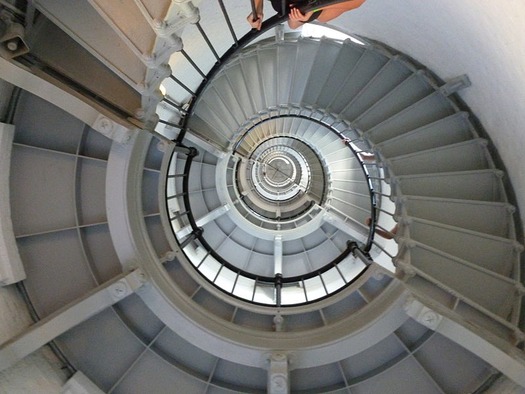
x,y
11,267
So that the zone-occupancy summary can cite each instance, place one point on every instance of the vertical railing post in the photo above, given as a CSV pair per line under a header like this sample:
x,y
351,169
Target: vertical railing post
x,y
278,289
359,254
228,21
192,237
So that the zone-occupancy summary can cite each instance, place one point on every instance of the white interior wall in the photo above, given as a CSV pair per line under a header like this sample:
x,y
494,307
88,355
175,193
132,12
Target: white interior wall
x,y
480,38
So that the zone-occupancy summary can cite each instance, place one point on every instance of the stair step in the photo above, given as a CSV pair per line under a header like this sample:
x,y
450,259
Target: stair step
x,y
496,254
348,57
345,207
446,131
253,80
203,129
226,93
481,185
266,62
429,109
355,79
340,152
322,137
357,186
306,54
347,163
239,85
221,111
119,54
286,55
463,156
407,93
210,115
348,175
351,197
325,60
487,289
391,75
332,145
492,218
306,131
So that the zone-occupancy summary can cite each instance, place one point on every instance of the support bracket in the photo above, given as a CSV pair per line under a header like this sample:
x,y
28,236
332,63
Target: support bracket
x,y
455,85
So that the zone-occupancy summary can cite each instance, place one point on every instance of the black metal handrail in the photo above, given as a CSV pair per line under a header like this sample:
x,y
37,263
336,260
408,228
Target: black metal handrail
x,y
240,44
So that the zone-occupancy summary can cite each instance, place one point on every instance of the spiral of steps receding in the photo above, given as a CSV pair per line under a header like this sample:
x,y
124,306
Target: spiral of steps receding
x,y
339,100
434,158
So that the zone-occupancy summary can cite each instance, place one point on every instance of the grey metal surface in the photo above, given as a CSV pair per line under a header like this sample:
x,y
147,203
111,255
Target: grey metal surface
x,y
118,349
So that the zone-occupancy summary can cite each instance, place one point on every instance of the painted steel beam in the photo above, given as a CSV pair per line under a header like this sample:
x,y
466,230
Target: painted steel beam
x,y
278,374
93,114
80,384
210,216
207,146
488,346
278,254
69,316
353,231
11,267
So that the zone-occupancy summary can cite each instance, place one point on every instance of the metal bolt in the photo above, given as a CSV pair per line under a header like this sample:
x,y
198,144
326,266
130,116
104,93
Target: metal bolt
x,y
12,45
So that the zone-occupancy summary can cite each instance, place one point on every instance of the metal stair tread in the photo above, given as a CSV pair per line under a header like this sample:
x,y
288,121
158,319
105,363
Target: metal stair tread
x,y
510,241
492,171
461,261
463,211
362,71
494,253
426,91
463,264
379,76
405,140
443,148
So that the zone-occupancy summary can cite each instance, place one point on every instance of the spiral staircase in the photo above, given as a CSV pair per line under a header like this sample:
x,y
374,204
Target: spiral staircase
x,y
225,248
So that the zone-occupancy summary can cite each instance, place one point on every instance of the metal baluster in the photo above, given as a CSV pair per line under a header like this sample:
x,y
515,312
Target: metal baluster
x,y
182,85
170,123
174,104
358,253
189,59
192,237
208,42
228,22
278,289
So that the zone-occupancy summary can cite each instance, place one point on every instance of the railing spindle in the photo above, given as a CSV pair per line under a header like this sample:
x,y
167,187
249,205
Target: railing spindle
x,y
170,124
190,60
228,21
179,82
205,36
174,104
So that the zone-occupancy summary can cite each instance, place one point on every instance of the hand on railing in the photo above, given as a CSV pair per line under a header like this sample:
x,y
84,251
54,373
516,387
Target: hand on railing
x,y
325,10
255,23
256,17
